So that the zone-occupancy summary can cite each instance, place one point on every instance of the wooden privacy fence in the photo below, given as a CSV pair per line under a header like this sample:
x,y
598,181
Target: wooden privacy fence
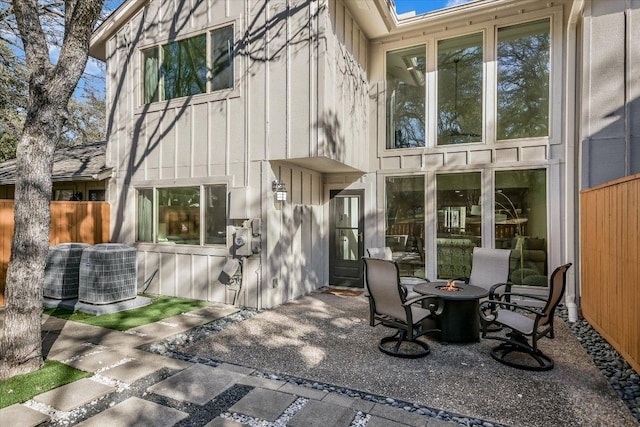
x,y
610,245
84,222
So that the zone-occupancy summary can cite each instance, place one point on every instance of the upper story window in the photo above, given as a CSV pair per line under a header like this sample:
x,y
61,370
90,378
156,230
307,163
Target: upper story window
x,y
521,85
180,68
523,80
460,90
406,97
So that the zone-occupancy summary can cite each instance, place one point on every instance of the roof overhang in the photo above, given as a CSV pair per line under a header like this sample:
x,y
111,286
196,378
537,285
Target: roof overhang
x,y
322,165
378,18
119,17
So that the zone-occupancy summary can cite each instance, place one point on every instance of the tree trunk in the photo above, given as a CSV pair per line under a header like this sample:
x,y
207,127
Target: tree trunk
x,y
50,88
20,342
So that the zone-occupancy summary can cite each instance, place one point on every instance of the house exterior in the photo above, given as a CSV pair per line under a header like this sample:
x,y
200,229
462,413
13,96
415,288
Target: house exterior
x,y
472,126
79,173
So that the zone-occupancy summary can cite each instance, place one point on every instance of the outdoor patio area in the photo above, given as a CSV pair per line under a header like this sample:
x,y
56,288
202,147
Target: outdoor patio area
x,y
326,338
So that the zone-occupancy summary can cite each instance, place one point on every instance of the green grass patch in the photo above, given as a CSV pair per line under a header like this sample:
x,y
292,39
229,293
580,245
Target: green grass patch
x,y
53,374
161,308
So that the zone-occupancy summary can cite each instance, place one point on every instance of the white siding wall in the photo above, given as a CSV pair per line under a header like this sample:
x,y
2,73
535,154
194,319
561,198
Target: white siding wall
x,y
610,131
343,117
225,137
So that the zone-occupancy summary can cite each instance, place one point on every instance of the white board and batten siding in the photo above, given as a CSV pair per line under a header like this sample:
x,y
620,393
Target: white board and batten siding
x,y
286,82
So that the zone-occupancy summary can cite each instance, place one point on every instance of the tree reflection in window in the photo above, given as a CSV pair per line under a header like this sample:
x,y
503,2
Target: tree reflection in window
x,y
406,97
179,68
460,90
523,80
184,67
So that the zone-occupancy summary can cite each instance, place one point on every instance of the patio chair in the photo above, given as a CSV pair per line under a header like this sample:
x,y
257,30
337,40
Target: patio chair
x,y
389,306
490,270
516,350
408,281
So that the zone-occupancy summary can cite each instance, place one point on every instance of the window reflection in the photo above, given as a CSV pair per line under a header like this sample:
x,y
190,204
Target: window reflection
x,y
521,223
460,90
405,223
406,98
178,214
184,67
523,80
459,223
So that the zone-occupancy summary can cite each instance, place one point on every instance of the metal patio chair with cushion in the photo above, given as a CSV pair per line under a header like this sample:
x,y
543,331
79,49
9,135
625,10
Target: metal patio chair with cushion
x,y
408,281
490,270
524,323
390,307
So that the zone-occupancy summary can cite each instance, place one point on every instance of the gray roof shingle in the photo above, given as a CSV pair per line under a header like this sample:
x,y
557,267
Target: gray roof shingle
x,y
77,163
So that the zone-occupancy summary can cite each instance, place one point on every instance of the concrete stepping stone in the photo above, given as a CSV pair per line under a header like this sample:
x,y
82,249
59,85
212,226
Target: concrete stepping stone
x,y
348,402
131,371
136,412
309,393
66,349
159,330
215,311
263,404
198,384
319,414
222,422
22,416
74,395
383,422
96,361
398,415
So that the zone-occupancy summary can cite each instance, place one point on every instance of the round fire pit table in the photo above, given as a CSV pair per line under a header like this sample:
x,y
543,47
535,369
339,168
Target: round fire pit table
x,y
460,318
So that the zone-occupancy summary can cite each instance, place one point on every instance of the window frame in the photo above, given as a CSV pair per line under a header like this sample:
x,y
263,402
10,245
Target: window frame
x,y
221,93
489,28
202,188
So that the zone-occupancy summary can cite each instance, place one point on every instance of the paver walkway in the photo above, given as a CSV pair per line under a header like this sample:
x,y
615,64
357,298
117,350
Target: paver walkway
x,y
131,387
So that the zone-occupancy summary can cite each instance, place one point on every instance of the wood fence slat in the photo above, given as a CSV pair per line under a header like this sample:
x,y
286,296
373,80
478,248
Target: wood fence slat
x,y
82,222
610,259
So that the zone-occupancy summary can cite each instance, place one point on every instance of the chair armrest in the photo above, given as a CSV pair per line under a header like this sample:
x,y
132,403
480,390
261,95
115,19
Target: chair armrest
x,y
491,305
462,279
436,307
518,294
494,288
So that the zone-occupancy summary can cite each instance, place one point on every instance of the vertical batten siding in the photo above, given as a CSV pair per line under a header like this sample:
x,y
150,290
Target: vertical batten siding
x,y
343,99
610,131
270,114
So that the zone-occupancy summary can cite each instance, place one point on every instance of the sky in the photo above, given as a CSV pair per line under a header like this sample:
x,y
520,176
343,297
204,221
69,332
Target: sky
x,y
424,6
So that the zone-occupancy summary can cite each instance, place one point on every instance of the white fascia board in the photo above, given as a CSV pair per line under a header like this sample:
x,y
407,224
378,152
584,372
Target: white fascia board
x,y
109,26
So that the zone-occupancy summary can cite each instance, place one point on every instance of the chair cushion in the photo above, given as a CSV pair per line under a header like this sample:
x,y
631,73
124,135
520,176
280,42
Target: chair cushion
x,y
419,313
516,321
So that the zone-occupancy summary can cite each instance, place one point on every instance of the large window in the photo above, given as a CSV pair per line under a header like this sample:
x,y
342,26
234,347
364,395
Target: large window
x,y
459,222
521,223
523,80
460,90
179,68
405,223
520,79
406,97
178,212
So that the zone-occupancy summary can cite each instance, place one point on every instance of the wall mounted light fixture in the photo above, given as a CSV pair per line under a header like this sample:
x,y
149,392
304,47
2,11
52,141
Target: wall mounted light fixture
x,y
280,189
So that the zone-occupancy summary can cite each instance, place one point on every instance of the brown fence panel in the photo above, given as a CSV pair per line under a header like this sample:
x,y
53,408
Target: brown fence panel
x,y
610,263
84,222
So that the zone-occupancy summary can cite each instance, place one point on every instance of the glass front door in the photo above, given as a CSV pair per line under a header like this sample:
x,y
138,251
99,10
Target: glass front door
x,y
346,242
